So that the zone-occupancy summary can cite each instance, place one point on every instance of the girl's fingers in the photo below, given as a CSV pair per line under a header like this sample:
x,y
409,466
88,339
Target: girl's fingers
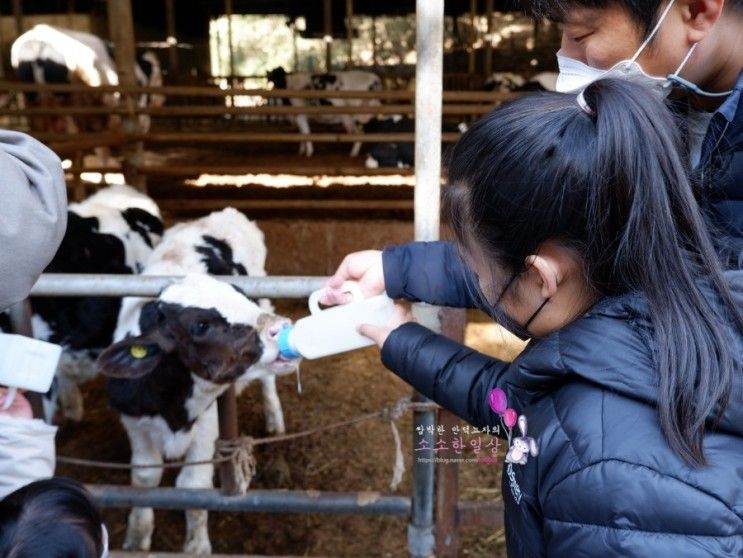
x,y
332,297
375,333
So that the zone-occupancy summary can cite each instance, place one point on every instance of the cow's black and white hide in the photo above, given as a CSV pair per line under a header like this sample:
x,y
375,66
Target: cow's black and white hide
x,y
175,355
397,154
334,81
55,55
505,82
112,231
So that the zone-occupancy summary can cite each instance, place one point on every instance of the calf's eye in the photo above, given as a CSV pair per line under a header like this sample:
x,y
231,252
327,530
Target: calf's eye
x,y
200,328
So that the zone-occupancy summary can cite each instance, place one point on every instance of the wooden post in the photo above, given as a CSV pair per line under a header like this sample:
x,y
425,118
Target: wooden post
x,y
18,16
488,64
349,31
171,36
228,13
228,430
121,29
328,30
70,12
447,474
295,48
472,59
374,41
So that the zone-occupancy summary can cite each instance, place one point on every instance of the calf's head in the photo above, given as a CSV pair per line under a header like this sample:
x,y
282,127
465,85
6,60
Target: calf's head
x,y
214,330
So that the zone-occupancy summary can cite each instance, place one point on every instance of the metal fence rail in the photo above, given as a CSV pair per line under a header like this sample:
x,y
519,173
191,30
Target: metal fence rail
x,y
270,501
80,284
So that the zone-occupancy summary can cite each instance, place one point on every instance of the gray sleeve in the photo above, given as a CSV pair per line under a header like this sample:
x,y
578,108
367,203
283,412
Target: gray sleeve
x,y
33,212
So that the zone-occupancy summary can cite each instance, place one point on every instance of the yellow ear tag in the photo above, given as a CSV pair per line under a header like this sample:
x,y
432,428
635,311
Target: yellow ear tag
x,y
138,351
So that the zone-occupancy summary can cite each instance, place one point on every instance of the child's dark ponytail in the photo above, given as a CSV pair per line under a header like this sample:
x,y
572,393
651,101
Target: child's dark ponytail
x,y
645,213
603,175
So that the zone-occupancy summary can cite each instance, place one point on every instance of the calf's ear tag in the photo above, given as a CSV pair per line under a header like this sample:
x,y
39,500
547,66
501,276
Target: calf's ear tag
x,y
138,351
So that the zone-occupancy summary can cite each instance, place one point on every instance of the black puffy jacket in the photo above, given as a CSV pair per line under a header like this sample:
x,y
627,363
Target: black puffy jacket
x,y
719,174
605,482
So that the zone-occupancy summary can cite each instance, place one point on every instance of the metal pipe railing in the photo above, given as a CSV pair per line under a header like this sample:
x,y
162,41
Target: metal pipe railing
x,y
276,501
81,284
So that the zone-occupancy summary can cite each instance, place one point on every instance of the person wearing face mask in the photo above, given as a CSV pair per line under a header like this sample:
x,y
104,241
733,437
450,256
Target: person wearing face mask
x,y
576,225
690,51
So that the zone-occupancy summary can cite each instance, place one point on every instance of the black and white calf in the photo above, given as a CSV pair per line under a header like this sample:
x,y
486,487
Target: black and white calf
x,y
178,353
55,55
112,231
397,154
505,82
334,81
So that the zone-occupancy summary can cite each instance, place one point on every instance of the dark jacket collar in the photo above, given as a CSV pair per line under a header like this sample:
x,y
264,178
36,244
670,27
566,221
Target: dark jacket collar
x,y
730,107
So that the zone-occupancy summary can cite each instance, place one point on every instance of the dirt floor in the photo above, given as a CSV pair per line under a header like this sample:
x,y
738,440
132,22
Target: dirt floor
x,y
357,458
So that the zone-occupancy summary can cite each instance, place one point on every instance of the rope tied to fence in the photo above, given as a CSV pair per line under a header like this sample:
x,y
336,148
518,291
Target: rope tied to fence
x,y
240,451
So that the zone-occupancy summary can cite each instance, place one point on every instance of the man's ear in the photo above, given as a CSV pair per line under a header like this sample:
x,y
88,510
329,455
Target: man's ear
x,y
700,16
131,358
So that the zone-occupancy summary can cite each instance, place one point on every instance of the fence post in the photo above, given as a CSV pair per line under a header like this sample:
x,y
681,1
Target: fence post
x,y
447,474
121,27
428,101
228,430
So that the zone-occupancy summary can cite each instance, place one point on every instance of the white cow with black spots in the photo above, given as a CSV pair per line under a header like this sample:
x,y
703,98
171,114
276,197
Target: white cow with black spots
x,y
334,81
111,232
46,54
176,354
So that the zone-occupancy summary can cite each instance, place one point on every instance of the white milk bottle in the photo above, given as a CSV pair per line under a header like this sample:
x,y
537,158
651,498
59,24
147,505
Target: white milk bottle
x,y
334,330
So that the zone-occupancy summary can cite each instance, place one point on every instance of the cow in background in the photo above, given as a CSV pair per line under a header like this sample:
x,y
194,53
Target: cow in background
x,y
177,353
112,231
506,82
54,55
397,154
333,81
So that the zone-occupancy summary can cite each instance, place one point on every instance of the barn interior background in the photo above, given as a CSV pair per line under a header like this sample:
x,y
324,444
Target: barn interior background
x,y
222,137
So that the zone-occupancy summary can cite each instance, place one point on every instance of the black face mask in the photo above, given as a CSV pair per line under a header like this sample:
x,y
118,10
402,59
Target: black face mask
x,y
499,315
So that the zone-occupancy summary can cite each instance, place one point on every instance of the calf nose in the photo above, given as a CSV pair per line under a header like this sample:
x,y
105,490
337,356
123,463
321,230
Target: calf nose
x,y
274,329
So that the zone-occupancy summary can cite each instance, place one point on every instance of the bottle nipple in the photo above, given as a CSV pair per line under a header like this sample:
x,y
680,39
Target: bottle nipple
x,y
286,349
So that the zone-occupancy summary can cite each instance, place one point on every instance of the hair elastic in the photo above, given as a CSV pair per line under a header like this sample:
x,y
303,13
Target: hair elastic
x,y
583,104
104,541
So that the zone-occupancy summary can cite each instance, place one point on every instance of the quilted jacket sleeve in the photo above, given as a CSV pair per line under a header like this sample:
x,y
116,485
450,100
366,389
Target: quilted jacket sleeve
x,y
617,508
429,272
454,376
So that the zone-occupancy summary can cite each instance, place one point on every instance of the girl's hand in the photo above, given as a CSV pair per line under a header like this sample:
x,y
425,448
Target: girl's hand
x,y
379,334
364,267
20,408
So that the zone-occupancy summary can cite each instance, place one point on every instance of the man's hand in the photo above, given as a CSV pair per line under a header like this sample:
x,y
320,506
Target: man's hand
x,y
20,408
363,267
379,334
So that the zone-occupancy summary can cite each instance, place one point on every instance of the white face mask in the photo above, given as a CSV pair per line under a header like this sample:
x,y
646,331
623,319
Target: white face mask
x,y
575,75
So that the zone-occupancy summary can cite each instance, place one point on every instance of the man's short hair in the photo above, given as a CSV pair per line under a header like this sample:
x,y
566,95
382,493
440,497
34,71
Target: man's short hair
x,y
645,12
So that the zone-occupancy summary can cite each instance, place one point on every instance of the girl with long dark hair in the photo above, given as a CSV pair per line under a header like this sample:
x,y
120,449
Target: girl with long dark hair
x,y
576,226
